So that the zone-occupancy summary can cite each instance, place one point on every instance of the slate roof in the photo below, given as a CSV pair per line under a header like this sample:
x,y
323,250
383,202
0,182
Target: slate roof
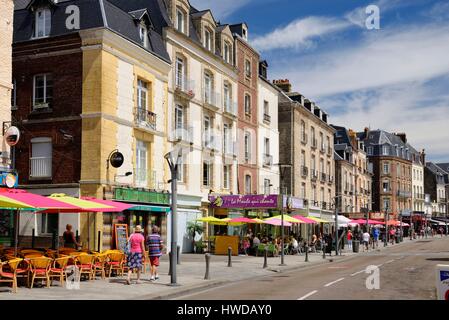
x,y
379,138
115,18
444,166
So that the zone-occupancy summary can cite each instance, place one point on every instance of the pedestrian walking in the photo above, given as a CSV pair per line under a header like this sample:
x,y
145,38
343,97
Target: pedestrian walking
x,y
349,237
441,231
136,244
376,233
366,237
392,235
155,246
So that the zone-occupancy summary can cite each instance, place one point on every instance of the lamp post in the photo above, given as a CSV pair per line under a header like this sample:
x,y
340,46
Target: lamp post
x,y
400,219
386,227
336,224
282,168
173,165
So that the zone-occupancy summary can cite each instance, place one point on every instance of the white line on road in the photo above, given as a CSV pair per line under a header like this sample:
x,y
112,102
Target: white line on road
x,y
389,261
356,273
333,282
308,295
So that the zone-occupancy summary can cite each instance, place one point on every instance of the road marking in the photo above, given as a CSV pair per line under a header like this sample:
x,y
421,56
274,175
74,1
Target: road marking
x,y
389,261
308,295
333,282
356,273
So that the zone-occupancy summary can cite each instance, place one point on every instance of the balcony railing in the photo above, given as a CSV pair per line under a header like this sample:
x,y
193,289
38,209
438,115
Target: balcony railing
x,y
230,107
329,151
146,118
266,118
404,194
267,160
330,180
212,99
304,171
314,175
229,149
323,177
322,148
182,134
314,143
41,167
185,87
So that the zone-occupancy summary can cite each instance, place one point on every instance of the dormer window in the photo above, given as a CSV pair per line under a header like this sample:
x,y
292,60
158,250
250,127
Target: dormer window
x,y
180,21
208,39
42,23
245,34
227,52
143,35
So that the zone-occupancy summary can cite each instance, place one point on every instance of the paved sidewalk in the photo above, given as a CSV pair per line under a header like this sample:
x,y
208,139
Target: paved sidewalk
x,y
190,273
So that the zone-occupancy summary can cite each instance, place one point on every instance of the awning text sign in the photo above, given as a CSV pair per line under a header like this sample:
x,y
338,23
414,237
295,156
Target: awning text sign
x,y
244,201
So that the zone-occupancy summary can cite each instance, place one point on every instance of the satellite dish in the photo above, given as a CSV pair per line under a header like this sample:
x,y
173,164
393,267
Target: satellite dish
x,y
12,136
116,159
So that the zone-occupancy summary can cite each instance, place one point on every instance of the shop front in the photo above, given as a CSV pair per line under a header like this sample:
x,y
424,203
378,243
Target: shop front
x,y
151,208
7,180
233,206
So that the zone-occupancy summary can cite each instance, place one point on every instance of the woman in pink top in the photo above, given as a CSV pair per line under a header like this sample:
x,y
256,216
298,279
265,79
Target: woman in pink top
x,y
137,244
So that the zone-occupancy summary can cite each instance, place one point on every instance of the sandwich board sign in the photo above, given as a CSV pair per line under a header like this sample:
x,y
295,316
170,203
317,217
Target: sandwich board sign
x,y
442,282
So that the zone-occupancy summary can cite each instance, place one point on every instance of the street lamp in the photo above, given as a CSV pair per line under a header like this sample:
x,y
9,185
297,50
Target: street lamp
x,y
386,226
336,223
282,168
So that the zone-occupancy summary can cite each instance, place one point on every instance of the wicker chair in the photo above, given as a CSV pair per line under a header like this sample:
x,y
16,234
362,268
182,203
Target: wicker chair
x,y
8,277
58,269
116,261
40,269
20,267
85,263
145,262
100,265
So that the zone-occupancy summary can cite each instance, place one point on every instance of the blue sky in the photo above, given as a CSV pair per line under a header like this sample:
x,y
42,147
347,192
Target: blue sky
x,y
395,78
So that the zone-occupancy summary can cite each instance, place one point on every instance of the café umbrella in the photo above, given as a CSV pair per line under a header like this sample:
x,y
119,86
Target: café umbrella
x,y
277,222
288,219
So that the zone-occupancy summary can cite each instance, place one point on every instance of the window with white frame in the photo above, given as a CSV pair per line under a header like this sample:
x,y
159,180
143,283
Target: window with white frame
x,y
227,97
227,52
369,150
143,35
207,174
181,170
180,21
226,177
207,125
180,73
303,158
266,108
208,83
141,163
227,140
179,121
41,158
247,68
266,146
247,104
267,186
386,167
302,191
385,150
42,91
142,95
386,204
247,184
208,39
42,23
247,146
312,163
386,186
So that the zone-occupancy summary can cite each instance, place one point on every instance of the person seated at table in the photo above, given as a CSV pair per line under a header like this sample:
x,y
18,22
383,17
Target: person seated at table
x,y
276,247
313,243
69,238
294,245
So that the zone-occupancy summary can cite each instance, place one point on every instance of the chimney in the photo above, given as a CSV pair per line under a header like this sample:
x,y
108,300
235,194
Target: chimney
x,y
366,131
403,136
283,84
353,138
423,156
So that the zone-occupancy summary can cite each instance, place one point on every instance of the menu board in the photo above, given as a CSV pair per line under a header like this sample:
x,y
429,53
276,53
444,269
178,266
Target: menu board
x,y
121,236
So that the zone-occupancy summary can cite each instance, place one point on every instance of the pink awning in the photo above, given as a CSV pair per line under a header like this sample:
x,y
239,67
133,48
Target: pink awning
x,y
278,222
118,206
306,220
36,201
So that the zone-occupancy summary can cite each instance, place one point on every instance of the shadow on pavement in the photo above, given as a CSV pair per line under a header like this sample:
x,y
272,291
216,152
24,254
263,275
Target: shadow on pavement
x,y
437,259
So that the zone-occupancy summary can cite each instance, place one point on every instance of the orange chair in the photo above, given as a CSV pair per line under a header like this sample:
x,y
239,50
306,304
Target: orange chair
x,y
58,269
8,276
145,262
100,265
20,268
116,261
85,263
40,269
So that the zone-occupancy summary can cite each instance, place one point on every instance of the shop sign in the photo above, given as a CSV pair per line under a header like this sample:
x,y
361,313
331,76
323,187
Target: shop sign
x,y
377,215
292,203
356,215
141,196
244,201
9,179
442,282
255,214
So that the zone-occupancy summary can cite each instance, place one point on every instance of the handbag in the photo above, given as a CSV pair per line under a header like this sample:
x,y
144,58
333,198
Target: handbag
x,y
128,246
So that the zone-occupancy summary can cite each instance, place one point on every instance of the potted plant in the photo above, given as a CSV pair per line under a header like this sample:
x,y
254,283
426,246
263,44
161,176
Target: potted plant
x,y
192,229
199,246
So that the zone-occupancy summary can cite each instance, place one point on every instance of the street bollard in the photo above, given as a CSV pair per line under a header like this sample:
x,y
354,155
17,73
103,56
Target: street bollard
x,y
324,251
229,257
207,276
169,263
265,256
307,254
178,260
33,238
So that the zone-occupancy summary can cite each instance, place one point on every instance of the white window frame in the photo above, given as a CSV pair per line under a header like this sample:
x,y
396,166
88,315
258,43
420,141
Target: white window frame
x,y
46,86
180,25
208,173
247,103
227,176
207,127
46,23
266,146
208,39
208,87
248,68
180,76
227,52
266,186
142,94
141,163
227,96
247,145
34,142
248,186
143,35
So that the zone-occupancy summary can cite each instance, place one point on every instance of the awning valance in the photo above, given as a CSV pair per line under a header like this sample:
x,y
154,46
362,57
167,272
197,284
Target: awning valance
x,y
150,208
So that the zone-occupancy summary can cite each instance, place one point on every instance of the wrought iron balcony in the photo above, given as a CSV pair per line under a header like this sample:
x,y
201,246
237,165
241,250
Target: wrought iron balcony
x,y
146,118
404,194
267,160
323,177
185,87
314,143
304,138
304,171
314,175
266,118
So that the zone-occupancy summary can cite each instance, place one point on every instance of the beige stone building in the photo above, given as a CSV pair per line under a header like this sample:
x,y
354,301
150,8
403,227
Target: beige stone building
x,y
306,142
6,86
353,174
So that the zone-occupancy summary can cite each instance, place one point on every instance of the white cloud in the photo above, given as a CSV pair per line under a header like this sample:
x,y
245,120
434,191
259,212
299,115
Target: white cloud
x,y
358,15
220,8
382,59
299,33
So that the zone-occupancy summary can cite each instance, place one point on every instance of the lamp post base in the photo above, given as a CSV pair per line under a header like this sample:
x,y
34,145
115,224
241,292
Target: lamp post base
x,y
174,285
282,265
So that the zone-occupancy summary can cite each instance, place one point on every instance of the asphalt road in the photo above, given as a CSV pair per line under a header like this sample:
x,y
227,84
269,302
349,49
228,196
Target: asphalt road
x,y
406,271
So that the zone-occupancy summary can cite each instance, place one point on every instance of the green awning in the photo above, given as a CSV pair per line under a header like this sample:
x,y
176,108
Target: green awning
x,y
150,208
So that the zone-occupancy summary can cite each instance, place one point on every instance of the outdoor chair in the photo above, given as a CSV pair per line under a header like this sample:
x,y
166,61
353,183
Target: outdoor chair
x,y
260,249
40,269
286,249
272,250
20,268
58,269
85,263
116,261
145,262
8,276
99,265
